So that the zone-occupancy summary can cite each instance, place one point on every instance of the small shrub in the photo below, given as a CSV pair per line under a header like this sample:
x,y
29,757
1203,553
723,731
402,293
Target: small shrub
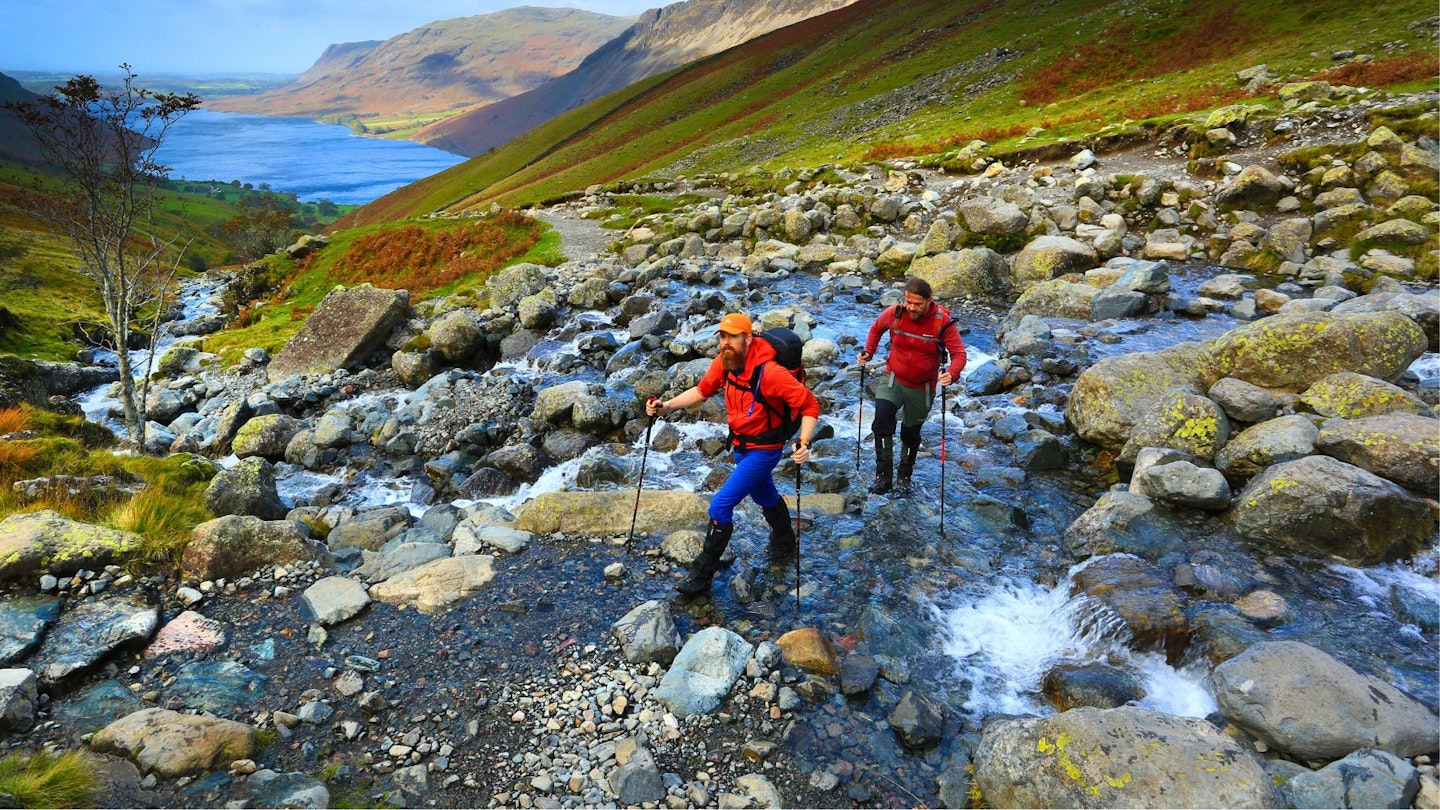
x,y
45,780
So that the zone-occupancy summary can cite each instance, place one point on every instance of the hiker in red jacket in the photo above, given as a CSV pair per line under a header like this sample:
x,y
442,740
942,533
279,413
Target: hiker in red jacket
x,y
759,428
921,332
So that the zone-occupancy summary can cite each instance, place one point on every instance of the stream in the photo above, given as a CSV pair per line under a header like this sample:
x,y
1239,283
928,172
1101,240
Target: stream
x,y
976,610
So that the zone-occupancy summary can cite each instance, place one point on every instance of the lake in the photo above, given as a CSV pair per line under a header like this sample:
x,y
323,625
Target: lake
x,y
314,161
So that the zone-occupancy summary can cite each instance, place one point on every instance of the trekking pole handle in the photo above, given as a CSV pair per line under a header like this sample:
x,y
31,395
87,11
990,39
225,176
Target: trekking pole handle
x,y
650,401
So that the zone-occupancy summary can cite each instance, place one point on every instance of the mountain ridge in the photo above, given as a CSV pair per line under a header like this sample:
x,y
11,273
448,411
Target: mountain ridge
x,y
438,68
661,40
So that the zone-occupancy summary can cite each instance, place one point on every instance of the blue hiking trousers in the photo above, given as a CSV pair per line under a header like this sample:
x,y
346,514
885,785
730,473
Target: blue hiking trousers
x,y
753,476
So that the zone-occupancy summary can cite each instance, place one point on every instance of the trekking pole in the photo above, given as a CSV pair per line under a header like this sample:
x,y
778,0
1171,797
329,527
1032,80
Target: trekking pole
x,y
942,463
860,421
644,455
797,539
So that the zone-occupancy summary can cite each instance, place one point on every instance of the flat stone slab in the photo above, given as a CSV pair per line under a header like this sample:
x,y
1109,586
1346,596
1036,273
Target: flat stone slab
x,y
48,541
346,327
436,585
85,635
334,599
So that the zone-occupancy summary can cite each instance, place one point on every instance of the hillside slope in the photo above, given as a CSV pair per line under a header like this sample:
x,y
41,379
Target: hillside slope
x,y
887,78
440,67
16,143
661,40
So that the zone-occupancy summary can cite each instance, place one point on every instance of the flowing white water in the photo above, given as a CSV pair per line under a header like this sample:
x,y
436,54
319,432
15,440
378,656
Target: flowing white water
x,y
1007,637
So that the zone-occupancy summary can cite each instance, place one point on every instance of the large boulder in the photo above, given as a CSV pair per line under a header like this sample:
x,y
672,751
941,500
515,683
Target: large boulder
x,y
978,272
1123,757
232,546
1294,350
1254,185
265,436
170,744
42,541
647,633
1048,257
1140,594
599,514
507,287
1179,420
456,335
1320,505
1307,704
1258,447
1127,522
1403,447
248,488
1349,395
344,329
1056,298
1110,396
993,217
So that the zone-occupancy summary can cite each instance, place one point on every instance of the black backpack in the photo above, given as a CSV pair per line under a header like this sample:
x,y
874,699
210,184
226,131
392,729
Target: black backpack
x,y
788,350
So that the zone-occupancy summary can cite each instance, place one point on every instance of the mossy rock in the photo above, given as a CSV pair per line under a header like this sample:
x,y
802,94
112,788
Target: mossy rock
x,y
1292,351
1182,421
1109,397
47,541
1349,396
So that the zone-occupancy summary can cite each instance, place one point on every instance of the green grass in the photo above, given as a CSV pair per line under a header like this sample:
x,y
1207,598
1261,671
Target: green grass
x,y
885,78
631,208
162,514
46,780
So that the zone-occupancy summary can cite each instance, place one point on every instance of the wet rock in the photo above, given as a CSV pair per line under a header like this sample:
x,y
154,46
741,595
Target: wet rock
x,y
858,672
521,462
703,672
1320,505
647,633
1094,684
1040,450
1366,778
1264,607
1030,337
88,633
170,744
762,790
437,584
986,379
215,686
1296,350
248,488
189,632
1313,707
600,514
600,468
1116,301
1401,447
235,545
486,482
682,546
1415,606
1257,447
334,599
1052,299
1048,257
1107,757
1124,522
345,328
810,650
19,697
1141,596
1184,484
266,788
23,620
48,541
918,720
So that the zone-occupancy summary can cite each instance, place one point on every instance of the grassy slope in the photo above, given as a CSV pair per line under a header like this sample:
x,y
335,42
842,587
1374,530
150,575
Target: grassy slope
x,y
903,74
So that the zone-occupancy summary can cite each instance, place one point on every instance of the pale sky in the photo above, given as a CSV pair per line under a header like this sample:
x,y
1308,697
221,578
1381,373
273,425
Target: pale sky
x,y
223,36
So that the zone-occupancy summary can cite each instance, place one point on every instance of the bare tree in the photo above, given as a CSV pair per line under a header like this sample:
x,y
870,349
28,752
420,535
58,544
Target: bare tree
x,y
100,146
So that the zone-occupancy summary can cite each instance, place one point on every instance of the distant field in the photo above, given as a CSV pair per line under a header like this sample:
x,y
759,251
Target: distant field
x,y
202,86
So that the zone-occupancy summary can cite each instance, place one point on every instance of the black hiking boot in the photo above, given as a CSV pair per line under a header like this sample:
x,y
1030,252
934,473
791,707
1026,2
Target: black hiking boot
x,y
782,529
884,464
702,570
907,465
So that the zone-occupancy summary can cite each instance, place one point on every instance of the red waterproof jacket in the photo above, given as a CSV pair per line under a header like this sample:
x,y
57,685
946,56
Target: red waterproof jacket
x,y
778,389
915,345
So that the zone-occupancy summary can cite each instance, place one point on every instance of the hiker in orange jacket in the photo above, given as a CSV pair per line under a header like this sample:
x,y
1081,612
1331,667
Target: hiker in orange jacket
x,y
759,427
921,332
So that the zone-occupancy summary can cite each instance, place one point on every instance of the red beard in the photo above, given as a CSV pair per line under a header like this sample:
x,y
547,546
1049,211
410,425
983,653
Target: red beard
x,y
733,360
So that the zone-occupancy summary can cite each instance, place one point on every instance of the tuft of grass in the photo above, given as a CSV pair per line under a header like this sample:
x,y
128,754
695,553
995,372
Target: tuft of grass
x,y
46,780
162,520
13,420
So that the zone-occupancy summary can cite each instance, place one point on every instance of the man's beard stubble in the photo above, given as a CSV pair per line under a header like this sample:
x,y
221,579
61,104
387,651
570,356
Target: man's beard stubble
x,y
733,359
